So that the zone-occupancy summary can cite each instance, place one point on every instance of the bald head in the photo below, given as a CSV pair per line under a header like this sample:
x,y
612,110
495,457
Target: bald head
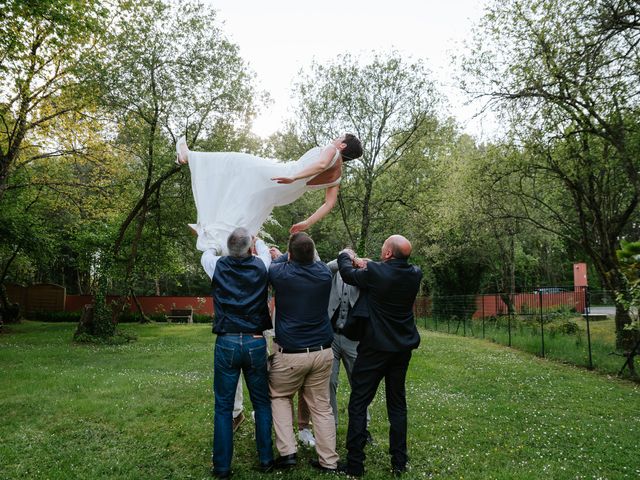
x,y
396,246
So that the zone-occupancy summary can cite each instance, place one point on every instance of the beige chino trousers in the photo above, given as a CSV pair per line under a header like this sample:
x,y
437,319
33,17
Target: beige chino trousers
x,y
287,374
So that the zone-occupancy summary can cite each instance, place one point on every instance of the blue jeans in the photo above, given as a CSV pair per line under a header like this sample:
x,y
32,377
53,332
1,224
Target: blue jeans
x,y
234,353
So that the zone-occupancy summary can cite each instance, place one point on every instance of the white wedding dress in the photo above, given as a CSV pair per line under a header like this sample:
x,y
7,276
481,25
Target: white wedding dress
x,y
235,190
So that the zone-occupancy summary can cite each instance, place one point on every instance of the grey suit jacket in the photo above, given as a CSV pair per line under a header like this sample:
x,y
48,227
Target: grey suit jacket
x,y
336,289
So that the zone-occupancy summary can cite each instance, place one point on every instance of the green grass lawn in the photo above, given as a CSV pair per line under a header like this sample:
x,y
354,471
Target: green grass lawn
x,y
525,336
477,410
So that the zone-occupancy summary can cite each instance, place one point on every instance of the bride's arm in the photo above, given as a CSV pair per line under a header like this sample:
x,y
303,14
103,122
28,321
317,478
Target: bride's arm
x,y
316,167
330,198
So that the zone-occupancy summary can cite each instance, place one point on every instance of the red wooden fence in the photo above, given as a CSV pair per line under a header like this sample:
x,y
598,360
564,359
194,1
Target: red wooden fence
x,y
149,304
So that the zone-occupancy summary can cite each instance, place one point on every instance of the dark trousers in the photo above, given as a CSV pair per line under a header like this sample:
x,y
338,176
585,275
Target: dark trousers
x,y
370,368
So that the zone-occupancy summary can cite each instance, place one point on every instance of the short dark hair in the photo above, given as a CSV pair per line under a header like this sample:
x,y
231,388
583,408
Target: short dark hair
x,y
353,149
301,248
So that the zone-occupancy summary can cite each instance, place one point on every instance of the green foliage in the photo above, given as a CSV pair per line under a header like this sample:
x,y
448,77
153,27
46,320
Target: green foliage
x,y
118,338
55,316
390,103
568,89
43,49
565,328
113,109
629,256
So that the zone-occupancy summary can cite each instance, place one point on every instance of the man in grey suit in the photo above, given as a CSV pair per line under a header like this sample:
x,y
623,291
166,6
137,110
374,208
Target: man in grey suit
x,y
342,299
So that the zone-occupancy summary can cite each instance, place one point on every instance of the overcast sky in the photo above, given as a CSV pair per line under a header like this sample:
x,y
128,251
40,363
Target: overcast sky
x,y
279,37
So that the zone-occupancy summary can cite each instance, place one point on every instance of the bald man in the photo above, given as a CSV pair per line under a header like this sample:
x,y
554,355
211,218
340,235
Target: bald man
x,y
390,335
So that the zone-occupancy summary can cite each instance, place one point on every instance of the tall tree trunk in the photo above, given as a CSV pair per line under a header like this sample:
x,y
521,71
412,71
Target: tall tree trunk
x,y
366,218
608,268
143,316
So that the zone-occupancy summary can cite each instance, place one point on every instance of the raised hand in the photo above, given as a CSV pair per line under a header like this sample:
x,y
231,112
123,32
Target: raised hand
x,y
285,180
299,227
349,252
359,263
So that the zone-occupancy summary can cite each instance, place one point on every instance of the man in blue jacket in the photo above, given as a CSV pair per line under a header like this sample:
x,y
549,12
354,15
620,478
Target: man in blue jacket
x,y
304,356
385,348
240,283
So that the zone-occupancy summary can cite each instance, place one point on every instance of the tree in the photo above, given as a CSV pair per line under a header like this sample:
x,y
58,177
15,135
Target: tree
x,y
43,49
158,80
565,75
387,102
629,256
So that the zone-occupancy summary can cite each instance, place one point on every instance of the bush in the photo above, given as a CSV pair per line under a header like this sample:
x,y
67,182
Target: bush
x,y
135,317
56,316
200,318
126,317
119,338
566,328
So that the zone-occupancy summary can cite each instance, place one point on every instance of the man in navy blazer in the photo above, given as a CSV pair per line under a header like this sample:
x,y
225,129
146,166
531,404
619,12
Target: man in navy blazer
x,y
390,334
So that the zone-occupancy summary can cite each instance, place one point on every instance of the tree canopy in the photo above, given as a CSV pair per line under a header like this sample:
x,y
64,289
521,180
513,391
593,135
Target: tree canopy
x,y
93,96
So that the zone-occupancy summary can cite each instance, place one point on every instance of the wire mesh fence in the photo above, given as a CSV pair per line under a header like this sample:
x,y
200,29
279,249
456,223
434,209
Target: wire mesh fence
x,y
573,325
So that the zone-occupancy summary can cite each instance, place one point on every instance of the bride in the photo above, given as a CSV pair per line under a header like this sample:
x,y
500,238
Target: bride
x,y
240,190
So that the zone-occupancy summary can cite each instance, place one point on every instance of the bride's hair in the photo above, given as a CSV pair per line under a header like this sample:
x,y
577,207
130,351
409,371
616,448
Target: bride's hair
x,y
353,149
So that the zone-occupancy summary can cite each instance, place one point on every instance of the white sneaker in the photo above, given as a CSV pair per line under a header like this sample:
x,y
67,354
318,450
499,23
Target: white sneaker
x,y
306,438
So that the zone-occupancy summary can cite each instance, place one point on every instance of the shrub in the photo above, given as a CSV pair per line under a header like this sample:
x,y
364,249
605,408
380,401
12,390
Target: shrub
x,y
118,338
566,328
56,316
135,317
201,318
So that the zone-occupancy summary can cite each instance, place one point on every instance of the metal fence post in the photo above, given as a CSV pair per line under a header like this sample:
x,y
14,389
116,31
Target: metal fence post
x,y
482,316
464,325
587,308
541,320
509,326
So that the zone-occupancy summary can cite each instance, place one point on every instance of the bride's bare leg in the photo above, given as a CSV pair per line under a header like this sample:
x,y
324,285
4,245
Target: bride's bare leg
x,y
182,151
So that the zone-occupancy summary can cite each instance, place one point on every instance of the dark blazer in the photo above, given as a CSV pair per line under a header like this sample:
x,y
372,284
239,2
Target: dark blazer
x,y
391,287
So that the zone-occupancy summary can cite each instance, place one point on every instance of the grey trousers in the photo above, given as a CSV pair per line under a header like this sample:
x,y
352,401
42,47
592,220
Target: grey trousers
x,y
345,350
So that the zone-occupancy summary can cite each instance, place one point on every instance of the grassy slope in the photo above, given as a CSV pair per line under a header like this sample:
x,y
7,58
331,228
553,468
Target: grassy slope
x,y
144,410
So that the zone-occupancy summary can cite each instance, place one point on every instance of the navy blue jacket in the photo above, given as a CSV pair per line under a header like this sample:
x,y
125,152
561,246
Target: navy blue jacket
x,y
391,288
240,295
302,298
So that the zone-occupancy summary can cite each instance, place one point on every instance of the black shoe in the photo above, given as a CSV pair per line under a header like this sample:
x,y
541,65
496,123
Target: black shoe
x,y
285,461
266,467
398,470
316,464
215,474
353,471
369,438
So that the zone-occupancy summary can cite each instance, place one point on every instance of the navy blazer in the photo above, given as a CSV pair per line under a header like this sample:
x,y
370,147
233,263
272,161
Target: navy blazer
x,y
391,287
